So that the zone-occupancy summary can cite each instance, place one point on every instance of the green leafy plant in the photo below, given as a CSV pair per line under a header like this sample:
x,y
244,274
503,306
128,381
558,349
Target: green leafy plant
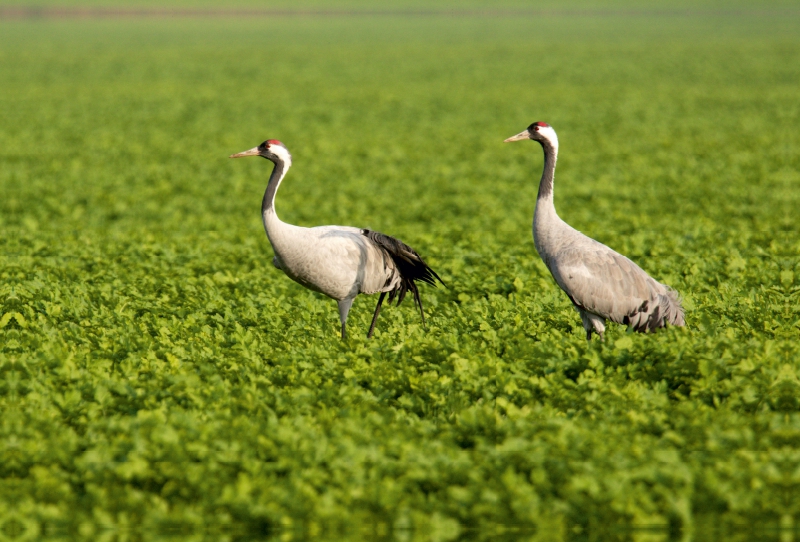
x,y
157,372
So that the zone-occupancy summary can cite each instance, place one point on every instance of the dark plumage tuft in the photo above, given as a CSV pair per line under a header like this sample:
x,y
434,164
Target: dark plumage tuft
x,y
411,266
665,311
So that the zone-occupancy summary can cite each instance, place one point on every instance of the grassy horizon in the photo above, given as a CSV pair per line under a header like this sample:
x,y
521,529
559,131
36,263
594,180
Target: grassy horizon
x,y
611,6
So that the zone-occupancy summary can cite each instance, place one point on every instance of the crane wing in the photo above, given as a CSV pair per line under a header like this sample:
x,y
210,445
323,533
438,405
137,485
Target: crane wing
x,y
605,283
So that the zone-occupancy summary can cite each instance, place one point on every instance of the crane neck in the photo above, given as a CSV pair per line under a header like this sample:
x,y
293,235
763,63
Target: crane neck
x,y
278,173
549,172
546,222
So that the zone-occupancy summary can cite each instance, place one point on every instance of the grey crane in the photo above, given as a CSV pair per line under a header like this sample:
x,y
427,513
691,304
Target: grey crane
x,y
601,283
338,261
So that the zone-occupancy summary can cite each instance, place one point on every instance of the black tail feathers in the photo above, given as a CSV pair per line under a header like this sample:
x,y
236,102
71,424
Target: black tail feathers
x,y
409,264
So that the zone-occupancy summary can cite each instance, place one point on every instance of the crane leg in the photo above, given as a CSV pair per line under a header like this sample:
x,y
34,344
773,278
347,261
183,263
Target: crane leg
x,y
375,316
592,323
419,304
599,327
344,308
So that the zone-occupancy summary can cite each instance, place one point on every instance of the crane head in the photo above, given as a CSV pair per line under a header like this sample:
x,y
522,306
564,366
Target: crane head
x,y
538,131
272,149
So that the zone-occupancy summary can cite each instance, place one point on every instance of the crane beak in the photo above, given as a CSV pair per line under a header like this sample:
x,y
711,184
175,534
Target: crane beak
x,y
519,137
251,152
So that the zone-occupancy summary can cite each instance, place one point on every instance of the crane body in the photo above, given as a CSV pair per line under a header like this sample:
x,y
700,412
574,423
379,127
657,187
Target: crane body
x,y
338,261
601,283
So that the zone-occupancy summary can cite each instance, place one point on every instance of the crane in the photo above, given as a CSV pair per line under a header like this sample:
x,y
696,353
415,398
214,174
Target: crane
x,y
338,261
601,283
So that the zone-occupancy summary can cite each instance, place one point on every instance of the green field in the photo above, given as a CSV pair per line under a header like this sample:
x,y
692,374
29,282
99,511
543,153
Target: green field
x,y
160,376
